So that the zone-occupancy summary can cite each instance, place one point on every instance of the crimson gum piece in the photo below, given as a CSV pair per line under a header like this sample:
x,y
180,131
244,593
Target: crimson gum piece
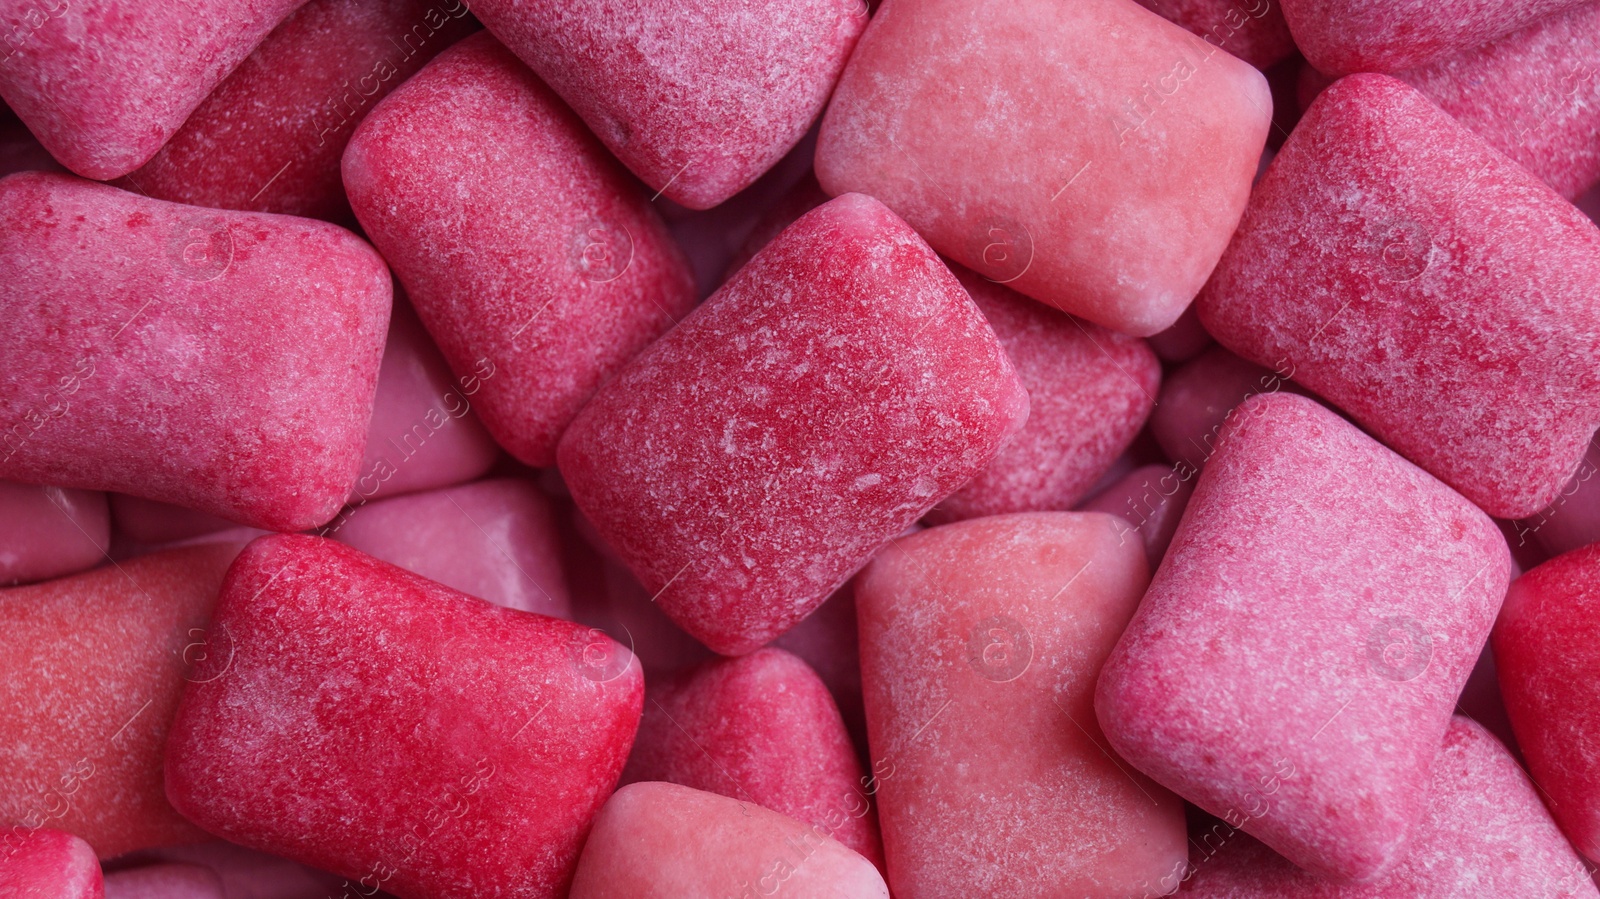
x,y
48,864
1253,30
1294,664
224,361
1345,36
48,532
751,460
528,253
164,882
1151,499
406,736
1394,263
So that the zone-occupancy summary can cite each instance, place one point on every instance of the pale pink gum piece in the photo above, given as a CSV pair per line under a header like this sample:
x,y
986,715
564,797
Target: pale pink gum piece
x,y
1253,30
980,645
1090,155
1186,339
1345,36
47,532
381,726
830,394
223,361
164,882
1572,519
149,522
105,84
665,841
1485,833
48,864
269,138
1151,500
248,874
1197,399
1089,392
698,100
1394,263
1295,661
762,728
493,539
528,253
91,670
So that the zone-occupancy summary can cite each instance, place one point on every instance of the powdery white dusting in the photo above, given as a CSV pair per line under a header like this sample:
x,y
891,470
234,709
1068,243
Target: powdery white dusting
x,y
1344,36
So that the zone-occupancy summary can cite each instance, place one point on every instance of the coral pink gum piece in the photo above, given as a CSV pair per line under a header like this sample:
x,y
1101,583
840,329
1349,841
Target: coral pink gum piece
x,y
665,841
1294,664
378,725
164,882
750,461
48,864
762,728
528,253
47,532
1345,36
980,645
1091,155
104,85
223,361
1197,398
1253,30
1441,295
1151,499
697,100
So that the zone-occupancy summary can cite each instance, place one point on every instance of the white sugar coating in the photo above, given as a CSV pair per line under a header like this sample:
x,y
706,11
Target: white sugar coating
x,y
1294,664
1344,36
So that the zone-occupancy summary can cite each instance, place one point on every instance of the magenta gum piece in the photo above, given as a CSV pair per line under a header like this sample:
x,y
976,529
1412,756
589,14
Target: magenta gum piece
x,y
1345,36
751,460
1151,499
1197,398
1090,155
104,85
829,642
980,645
1294,664
1394,263
1253,30
665,841
48,864
528,253
164,882
47,532
1572,519
149,523
224,361
378,725
1183,341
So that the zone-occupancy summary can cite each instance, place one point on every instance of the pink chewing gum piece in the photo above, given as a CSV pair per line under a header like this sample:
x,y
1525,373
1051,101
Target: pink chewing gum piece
x,y
47,532
104,85
1572,519
493,539
1089,392
1183,341
980,645
1197,399
527,251
164,882
1151,499
248,874
1485,833
752,459
48,864
1253,30
1394,263
829,642
697,100
665,841
223,361
91,670
270,137
764,729
1295,661
148,522
1090,155
378,725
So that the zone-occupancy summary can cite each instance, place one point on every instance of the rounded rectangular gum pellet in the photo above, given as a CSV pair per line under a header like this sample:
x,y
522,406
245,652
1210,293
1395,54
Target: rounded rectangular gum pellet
x,y
1294,664
830,394
1345,36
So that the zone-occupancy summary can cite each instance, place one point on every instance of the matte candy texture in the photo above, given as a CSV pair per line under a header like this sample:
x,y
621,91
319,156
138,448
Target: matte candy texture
x,y
164,882
1344,36
381,726
48,864
980,645
1485,833
47,532
224,361
1151,499
1253,30
528,253
747,463
1294,664
698,100
665,841
1091,155
1441,295
105,84
91,670
269,138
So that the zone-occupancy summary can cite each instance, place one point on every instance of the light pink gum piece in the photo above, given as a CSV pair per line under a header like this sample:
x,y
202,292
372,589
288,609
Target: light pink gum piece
x,y
104,85
47,532
1394,263
1151,499
665,841
1090,155
528,253
1572,519
493,539
378,725
762,728
48,864
164,882
1345,36
270,137
697,100
830,394
1294,664
1089,392
1253,30
1197,399
980,645
1485,833
223,361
